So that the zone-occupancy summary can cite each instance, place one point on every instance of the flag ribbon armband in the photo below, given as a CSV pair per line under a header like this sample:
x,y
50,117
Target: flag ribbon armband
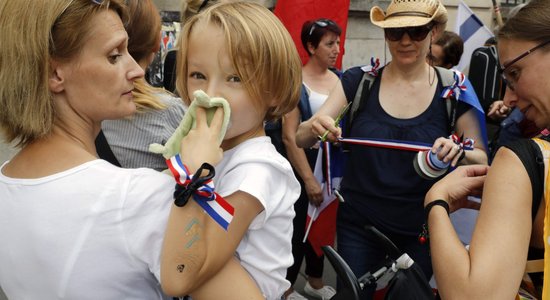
x,y
202,190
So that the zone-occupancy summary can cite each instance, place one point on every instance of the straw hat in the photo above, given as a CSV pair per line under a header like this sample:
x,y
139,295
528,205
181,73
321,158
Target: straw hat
x,y
409,13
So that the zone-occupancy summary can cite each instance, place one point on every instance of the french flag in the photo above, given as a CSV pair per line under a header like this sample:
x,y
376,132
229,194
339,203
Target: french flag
x,y
321,221
472,31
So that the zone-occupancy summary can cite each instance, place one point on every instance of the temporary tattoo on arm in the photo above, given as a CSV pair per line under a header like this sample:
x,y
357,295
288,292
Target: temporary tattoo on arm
x,y
180,268
193,230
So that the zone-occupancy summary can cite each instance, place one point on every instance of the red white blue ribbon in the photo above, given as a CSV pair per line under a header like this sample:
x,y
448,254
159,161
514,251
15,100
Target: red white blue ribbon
x,y
389,144
327,175
215,205
464,143
456,88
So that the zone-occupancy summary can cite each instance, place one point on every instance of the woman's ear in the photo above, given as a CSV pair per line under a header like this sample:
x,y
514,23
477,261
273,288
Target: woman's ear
x,y
56,79
310,48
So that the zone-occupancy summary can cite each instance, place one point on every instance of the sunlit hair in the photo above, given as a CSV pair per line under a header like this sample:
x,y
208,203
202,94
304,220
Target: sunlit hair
x,y
314,35
262,53
531,23
33,33
144,28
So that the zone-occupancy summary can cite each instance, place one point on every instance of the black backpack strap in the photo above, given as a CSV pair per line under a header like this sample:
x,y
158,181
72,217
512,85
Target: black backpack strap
x,y
104,150
447,80
361,96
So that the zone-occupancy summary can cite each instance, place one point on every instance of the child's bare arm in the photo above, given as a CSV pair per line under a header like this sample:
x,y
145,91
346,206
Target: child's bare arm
x,y
232,282
196,248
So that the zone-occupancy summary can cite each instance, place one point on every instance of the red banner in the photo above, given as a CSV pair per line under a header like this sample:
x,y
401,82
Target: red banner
x,y
293,14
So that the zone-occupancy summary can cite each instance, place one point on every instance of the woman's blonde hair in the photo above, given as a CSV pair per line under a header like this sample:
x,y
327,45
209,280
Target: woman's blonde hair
x,y
33,33
144,29
262,52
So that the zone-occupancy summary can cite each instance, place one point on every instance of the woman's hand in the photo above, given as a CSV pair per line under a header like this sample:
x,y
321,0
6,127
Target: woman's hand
x,y
314,191
447,150
323,124
456,186
201,143
498,111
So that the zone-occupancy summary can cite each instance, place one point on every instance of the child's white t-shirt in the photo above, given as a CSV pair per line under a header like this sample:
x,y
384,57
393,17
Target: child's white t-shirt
x,y
255,167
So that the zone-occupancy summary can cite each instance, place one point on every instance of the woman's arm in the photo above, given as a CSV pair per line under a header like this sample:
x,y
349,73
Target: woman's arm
x,y
495,263
468,126
298,159
323,120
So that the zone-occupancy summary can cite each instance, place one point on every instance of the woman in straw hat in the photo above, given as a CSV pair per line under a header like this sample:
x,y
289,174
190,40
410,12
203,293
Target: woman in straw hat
x,y
514,212
380,185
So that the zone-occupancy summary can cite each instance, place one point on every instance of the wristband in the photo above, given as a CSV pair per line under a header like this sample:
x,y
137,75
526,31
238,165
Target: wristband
x,y
424,234
430,205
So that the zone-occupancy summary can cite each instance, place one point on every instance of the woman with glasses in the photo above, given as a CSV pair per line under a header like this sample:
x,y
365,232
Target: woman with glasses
x,y
514,212
321,39
380,186
73,226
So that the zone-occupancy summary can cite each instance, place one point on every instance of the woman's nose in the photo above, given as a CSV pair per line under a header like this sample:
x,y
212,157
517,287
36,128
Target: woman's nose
x,y
135,70
510,98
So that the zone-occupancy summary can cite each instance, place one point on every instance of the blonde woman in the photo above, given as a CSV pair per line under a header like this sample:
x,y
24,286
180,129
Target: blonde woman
x,y
159,112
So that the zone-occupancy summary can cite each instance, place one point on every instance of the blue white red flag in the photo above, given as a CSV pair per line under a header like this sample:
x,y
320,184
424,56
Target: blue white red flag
x,y
321,221
472,31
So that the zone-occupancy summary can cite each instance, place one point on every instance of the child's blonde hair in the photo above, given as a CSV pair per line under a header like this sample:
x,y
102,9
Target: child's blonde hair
x,y
262,53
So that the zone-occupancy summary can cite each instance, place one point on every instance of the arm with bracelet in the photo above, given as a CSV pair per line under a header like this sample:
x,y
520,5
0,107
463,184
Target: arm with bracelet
x,y
501,234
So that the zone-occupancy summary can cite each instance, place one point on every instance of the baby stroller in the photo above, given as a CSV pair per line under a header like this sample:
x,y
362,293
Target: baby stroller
x,y
405,278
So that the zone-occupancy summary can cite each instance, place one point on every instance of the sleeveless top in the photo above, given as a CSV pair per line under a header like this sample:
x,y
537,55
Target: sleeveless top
x,y
379,184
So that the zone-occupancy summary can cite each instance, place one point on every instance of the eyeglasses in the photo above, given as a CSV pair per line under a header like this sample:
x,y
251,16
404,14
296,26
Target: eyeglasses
x,y
320,23
511,76
417,33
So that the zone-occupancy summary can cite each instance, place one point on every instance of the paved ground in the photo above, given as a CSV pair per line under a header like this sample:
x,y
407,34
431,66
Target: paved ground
x,y
6,152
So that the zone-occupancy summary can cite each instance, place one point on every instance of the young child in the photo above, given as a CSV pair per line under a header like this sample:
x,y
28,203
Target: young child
x,y
241,52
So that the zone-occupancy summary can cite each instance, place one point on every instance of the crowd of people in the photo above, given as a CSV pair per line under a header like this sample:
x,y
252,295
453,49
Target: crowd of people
x,y
85,202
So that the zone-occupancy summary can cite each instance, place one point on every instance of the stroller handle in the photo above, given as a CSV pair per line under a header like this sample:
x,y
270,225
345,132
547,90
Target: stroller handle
x,y
390,247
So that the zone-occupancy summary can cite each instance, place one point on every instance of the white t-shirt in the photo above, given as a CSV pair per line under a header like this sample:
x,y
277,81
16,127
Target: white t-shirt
x,y
255,167
91,232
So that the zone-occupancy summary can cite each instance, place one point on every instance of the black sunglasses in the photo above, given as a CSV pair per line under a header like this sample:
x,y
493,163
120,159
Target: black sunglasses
x,y
417,33
320,23
509,77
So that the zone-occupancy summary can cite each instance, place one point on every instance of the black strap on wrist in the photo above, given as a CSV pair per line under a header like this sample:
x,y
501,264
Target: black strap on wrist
x,y
430,205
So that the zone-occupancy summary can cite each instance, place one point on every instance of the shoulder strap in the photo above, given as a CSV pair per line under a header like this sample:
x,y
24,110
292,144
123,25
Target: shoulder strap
x,y
361,96
104,150
535,266
447,80
303,105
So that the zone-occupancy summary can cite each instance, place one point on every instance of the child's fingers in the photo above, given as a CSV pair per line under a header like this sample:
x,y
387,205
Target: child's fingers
x,y
217,120
200,117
